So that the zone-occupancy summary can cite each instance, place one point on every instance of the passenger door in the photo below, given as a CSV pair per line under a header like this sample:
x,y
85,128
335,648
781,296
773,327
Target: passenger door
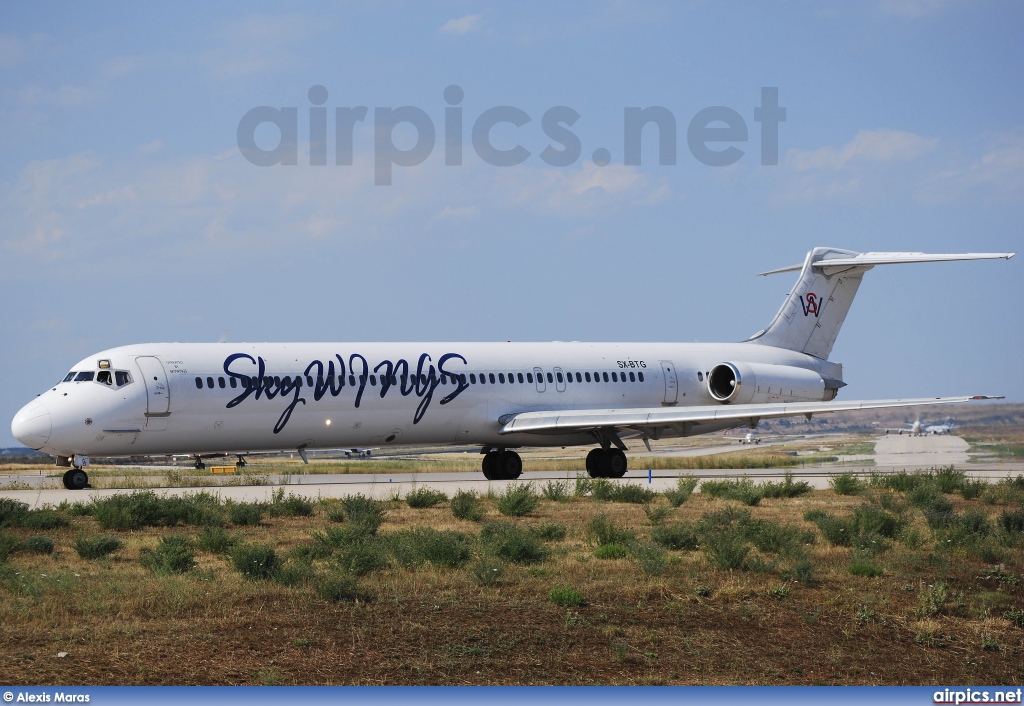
x,y
158,394
668,369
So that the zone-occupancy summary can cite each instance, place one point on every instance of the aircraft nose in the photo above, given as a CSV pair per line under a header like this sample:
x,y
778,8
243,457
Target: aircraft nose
x,y
31,425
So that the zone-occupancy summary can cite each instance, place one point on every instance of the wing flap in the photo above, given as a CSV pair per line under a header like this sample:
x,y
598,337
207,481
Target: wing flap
x,y
555,421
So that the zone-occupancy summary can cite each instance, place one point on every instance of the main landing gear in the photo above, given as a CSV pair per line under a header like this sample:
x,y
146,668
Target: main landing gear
x,y
606,463
76,479
502,465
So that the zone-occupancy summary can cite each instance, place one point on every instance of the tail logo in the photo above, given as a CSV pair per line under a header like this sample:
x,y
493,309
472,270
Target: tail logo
x,y
810,304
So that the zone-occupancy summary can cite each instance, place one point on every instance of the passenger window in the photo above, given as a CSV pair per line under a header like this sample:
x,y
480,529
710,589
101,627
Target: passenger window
x,y
606,377
579,378
84,376
209,383
320,380
700,376
520,375
352,380
501,378
105,377
529,378
234,382
462,378
632,377
199,383
550,378
560,379
220,381
615,377
490,376
373,381
568,377
641,376
70,376
586,376
472,378
309,381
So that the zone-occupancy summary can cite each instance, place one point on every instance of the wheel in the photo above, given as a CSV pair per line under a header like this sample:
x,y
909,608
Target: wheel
x,y
489,466
510,465
615,464
75,479
595,463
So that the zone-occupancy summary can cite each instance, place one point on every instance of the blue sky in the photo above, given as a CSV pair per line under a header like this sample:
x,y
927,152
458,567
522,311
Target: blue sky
x,y
130,215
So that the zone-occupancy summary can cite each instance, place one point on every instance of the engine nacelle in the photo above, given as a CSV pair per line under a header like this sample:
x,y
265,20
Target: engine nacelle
x,y
743,383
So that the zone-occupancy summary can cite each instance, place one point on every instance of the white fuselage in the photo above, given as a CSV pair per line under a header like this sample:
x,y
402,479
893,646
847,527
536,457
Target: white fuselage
x,y
181,398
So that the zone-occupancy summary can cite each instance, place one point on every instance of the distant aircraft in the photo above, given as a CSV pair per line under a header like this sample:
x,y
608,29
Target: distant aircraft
x,y
359,453
237,399
750,439
916,429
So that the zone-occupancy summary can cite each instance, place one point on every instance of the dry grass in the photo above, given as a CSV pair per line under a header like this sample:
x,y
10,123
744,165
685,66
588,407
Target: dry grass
x,y
695,624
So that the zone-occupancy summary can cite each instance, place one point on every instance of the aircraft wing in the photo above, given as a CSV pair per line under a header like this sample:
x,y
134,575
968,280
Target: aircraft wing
x,y
646,420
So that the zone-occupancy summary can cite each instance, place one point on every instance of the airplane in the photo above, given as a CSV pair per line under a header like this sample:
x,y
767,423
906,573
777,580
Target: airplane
x,y
359,453
238,399
916,429
750,439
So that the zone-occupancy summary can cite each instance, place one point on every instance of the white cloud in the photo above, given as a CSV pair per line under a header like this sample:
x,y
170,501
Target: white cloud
x,y
588,189
257,44
881,145
996,174
461,25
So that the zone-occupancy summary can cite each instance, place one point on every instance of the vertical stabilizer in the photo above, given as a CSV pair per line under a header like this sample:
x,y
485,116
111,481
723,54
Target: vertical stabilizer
x,y
810,319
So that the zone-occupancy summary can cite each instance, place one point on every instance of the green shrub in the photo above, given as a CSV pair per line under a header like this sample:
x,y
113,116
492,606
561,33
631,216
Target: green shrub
x,y
603,530
364,557
97,546
556,490
682,492
971,489
255,561
146,509
486,571
215,540
726,550
76,509
518,500
424,497
675,536
874,520
584,486
36,545
652,558
632,493
772,538
611,551
363,511
1015,616
656,514
512,543
786,489
1012,522
741,489
836,531
173,555
466,506
12,512
949,479
294,573
8,545
846,484
43,520
340,537
550,532
566,597
413,547
245,514
865,569
339,587
335,513
291,506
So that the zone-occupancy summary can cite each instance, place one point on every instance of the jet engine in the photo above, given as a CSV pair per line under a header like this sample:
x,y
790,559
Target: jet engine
x,y
743,383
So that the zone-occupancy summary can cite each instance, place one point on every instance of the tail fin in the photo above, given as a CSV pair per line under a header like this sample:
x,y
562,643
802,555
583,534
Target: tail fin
x,y
810,319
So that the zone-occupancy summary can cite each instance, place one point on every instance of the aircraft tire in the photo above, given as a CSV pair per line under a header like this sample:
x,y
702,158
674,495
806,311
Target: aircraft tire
x,y
595,463
489,465
75,479
615,464
511,465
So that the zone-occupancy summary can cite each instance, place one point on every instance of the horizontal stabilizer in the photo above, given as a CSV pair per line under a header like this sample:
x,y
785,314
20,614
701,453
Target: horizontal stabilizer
x,y
870,259
577,420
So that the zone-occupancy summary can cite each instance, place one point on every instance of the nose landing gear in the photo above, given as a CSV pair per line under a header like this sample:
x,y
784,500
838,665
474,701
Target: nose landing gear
x,y
76,479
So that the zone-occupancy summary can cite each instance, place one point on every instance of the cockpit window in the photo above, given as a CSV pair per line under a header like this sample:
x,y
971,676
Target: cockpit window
x,y
105,377
86,376
70,376
123,377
